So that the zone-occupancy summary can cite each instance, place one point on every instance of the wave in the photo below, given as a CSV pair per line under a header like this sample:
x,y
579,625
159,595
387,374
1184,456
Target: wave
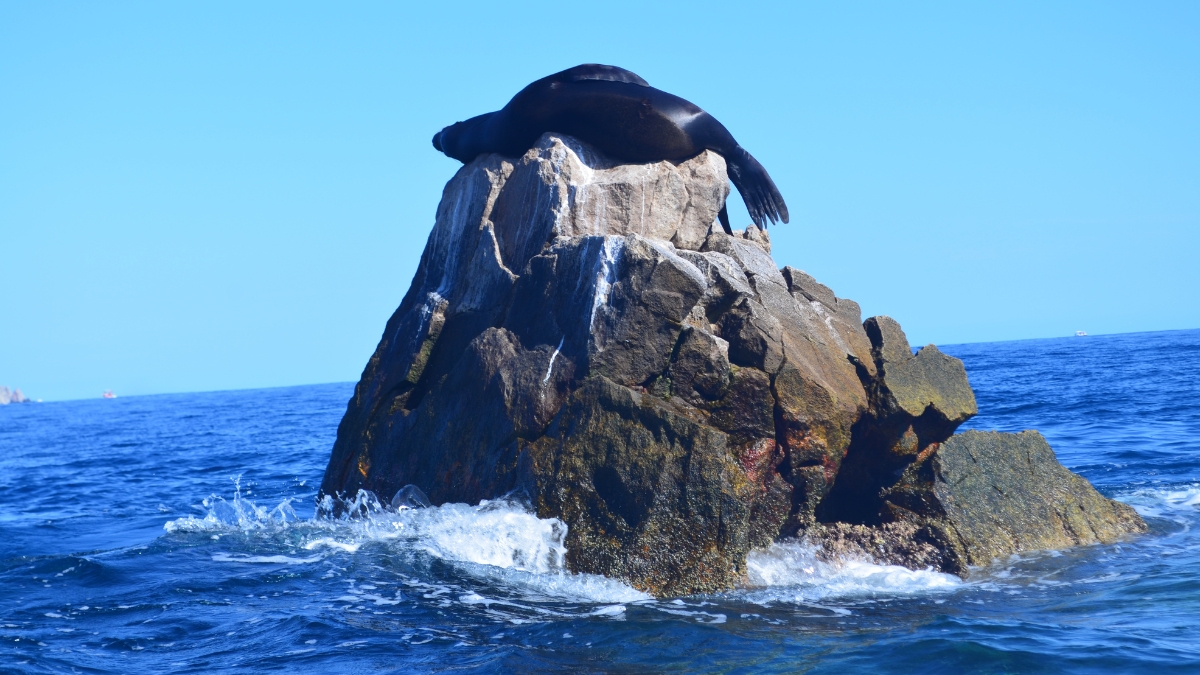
x,y
793,571
499,541
1164,501
499,533
502,543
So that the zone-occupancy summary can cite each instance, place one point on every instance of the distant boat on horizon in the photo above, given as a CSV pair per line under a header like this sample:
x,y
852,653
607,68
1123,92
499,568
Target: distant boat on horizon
x,y
108,393
1080,333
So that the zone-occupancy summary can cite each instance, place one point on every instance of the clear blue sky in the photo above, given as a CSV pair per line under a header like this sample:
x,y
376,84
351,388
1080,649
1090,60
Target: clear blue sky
x,y
219,195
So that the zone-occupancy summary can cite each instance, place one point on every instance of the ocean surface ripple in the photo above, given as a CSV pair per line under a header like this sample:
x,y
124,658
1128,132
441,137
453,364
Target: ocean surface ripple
x,y
178,533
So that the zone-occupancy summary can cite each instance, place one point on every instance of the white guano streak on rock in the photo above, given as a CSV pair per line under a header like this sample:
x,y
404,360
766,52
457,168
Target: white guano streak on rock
x,y
432,299
578,179
606,275
550,368
491,229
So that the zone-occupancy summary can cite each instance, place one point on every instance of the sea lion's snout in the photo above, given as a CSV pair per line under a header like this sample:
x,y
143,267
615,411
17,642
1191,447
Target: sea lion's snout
x,y
458,141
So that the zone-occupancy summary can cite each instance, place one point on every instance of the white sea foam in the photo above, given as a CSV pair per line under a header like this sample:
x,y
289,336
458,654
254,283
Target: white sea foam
x,y
499,541
331,543
271,559
499,534
792,572
504,545
1164,501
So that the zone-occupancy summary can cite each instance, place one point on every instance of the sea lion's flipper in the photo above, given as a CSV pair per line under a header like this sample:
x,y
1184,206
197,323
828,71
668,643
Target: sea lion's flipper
x,y
596,71
752,181
723,216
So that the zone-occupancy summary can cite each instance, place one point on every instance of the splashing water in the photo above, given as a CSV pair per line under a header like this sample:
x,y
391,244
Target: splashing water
x,y
1169,502
503,534
498,533
793,571
239,513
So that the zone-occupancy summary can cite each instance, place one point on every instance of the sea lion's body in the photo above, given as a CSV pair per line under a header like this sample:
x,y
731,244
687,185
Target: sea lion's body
x,y
620,115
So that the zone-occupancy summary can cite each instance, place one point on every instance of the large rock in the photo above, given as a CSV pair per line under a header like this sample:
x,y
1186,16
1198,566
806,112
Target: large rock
x,y
578,332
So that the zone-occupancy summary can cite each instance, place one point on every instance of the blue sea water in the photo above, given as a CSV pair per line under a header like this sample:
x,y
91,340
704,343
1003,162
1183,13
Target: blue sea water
x,y
176,533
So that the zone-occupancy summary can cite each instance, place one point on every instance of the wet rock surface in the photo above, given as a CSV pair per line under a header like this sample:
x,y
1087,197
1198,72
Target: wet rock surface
x,y
900,543
579,335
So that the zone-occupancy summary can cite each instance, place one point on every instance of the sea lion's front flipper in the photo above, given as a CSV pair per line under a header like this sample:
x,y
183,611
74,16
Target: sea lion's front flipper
x,y
596,71
723,216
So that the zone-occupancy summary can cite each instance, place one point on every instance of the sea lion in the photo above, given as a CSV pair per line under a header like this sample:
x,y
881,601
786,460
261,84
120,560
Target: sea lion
x,y
621,115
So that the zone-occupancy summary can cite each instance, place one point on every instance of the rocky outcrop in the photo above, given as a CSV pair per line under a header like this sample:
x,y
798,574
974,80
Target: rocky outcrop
x,y
578,334
986,495
12,396
916,402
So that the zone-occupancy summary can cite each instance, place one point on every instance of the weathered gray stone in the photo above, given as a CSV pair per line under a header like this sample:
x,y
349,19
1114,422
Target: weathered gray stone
x,y
889,344
749,255
755,336
460,440
727,284
637,327
932,382
562,188
746,412
799,281
756,236
987,495
723,274
815,427
700,370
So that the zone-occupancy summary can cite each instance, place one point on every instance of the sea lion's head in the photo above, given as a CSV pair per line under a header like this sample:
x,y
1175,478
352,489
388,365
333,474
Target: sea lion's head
x,y
462,140
453,139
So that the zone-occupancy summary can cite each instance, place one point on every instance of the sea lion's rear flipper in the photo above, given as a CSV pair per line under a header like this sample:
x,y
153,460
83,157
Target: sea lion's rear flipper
x,y
752,181
596,71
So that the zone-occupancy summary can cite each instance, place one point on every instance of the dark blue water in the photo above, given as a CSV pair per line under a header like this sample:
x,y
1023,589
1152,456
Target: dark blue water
x,y
129,544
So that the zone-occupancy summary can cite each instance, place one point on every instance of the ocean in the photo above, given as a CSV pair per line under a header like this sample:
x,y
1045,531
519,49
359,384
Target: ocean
x,y
177,533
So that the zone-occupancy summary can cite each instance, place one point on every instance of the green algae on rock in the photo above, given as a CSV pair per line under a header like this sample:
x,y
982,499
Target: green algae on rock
x,y
986,495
